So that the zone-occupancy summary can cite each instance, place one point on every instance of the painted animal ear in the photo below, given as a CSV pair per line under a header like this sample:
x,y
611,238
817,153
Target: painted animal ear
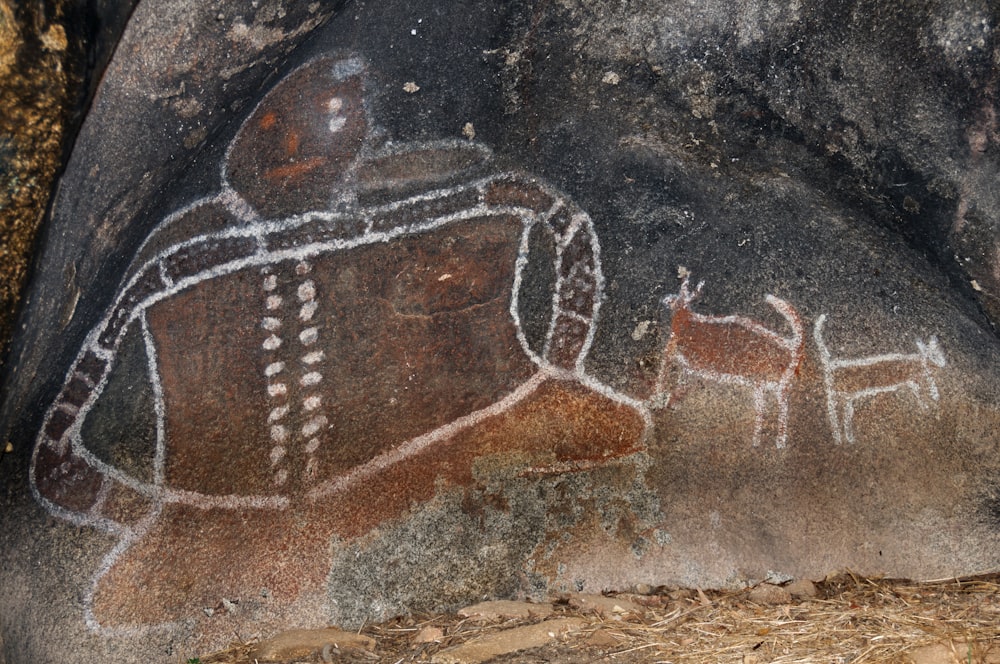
x,y
298,144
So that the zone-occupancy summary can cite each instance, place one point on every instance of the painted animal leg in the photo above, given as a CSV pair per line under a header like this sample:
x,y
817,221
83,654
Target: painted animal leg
x,y
917,394
848,420
760,408
668,379
781,396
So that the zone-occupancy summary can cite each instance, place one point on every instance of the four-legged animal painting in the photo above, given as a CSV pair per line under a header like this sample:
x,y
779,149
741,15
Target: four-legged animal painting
x,y
737,351
346,328
852,379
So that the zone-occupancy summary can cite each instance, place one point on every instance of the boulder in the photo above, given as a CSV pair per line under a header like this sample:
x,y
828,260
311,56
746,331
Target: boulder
x,y
341,316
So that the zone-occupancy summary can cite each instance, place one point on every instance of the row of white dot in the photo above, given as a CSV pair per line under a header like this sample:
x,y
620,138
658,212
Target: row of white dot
x,y
276,390
308,336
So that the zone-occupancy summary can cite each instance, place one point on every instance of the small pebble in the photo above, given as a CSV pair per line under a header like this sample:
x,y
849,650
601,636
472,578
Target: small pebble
x,y
505,609
429,634
766,593
606,607
802,589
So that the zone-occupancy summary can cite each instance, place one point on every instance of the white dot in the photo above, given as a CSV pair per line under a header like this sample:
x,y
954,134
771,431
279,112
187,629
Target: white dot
x,y
307,290
303,267
279,433
309,335
308,310
271,324
281,477
312,445
337,123
273,302
270,282
277,454
312,403
313,357
335,104
314,425
277,413
277,389
272,342
274,368
311,378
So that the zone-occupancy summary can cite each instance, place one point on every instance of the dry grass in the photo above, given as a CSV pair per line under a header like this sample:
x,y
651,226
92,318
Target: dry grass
x,y
852,619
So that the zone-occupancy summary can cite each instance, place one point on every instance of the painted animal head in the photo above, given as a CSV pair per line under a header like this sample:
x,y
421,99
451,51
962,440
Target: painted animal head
x,y
684,296
931,354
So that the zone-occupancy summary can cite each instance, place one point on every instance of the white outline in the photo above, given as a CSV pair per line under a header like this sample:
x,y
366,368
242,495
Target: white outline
x,y
918,366
257,242
253,242
416,445
777,385
263,229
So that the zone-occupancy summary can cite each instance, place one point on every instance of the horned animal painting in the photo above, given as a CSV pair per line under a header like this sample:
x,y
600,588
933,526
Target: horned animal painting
x,y
734,350
849,380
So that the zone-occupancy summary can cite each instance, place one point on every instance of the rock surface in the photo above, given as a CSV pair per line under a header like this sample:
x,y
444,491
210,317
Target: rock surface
x,y
506,609
587,298
42,71
767,593
301,643
802,589
509,641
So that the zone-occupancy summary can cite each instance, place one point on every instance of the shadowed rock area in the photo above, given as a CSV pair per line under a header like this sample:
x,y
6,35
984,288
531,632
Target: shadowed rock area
x,y
52,53
340,316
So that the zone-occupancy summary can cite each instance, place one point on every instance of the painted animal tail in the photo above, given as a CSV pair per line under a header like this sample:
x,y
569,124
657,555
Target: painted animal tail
x,y
791,316
931,355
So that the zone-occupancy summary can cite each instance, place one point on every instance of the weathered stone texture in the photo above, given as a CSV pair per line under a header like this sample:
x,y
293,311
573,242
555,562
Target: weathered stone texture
x,y
594,295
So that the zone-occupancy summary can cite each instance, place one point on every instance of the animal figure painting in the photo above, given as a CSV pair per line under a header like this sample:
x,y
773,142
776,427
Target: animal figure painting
x,y
347,329
849,380
734,350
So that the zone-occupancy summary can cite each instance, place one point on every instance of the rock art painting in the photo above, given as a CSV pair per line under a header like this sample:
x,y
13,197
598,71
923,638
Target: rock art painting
x,y
734,350
852,379
739,351
333,337
349,327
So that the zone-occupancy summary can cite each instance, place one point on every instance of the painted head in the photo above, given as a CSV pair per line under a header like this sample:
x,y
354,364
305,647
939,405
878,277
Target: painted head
x,y
298,145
